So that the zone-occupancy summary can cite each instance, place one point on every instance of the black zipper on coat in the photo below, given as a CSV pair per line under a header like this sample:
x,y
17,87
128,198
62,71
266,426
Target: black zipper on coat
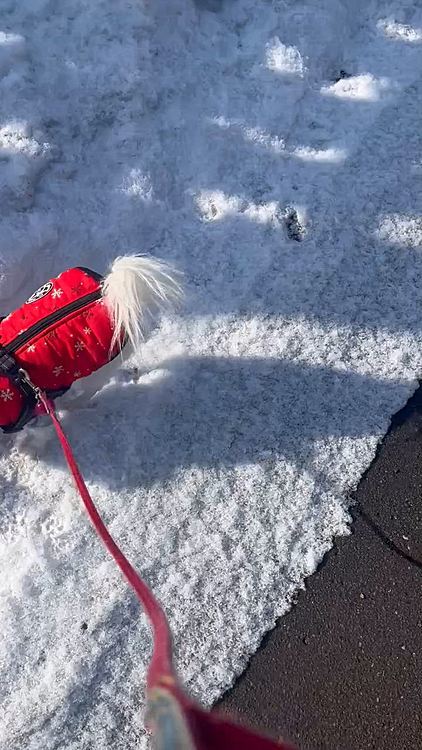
x,y
54,317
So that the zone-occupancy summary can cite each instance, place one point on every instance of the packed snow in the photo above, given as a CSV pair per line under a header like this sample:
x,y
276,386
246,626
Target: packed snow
x,y
272,151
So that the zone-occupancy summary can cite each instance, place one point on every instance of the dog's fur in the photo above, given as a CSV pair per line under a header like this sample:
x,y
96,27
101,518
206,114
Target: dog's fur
x,y
137,290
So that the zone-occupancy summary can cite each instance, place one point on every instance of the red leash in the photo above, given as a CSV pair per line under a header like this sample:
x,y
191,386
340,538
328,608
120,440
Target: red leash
x,y
161,663
176,722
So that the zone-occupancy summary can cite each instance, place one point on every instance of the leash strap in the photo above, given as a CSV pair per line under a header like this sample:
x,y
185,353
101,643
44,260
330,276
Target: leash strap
x,y
176,722
161,662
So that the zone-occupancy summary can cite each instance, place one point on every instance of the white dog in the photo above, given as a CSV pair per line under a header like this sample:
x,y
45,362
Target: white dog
x,y
137,291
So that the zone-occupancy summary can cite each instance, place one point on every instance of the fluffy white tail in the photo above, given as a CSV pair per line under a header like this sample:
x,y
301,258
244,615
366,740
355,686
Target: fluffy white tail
x,y
137,290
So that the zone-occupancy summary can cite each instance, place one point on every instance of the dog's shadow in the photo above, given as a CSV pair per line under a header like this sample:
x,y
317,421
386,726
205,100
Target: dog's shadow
x,y
221,412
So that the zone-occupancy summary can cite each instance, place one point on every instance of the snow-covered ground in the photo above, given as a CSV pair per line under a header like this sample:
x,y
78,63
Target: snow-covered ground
x,y
273,151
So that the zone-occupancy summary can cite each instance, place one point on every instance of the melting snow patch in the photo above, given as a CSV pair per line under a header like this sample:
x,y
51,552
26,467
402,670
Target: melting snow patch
x,y
403,230
215,205
365,88
15,138
283,59
323,155
400,31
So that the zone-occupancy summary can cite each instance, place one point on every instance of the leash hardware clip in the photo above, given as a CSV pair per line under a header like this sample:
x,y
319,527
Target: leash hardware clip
x,y
25,377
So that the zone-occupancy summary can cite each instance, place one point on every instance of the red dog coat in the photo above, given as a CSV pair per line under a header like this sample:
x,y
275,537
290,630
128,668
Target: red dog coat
x,y
61,333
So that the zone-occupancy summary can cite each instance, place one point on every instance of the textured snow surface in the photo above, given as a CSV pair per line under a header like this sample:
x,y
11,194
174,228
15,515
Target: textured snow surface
x,y
273,151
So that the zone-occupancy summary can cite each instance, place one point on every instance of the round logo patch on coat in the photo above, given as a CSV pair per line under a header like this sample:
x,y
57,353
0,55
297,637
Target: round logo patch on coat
x,y
40,293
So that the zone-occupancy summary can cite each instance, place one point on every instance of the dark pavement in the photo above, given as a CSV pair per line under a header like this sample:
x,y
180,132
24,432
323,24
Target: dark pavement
x,y
343,669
